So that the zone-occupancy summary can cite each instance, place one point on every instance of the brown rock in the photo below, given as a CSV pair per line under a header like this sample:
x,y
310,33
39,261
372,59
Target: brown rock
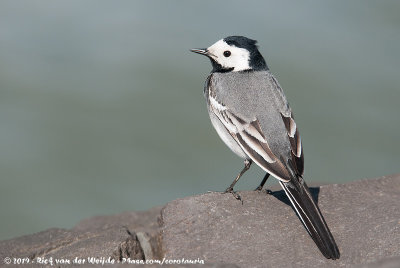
x,y
364,217
126,235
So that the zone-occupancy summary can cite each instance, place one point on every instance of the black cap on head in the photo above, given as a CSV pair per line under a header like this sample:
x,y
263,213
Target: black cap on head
x,y
257,61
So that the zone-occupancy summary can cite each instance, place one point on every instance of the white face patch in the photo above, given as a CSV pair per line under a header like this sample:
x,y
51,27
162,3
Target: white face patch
x,y
239,58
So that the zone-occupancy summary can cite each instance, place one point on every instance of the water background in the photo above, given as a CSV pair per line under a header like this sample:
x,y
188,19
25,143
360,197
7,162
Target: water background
x,y
101,105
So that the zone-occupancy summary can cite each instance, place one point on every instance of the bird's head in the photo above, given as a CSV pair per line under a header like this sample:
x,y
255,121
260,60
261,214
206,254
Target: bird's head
x,y
234,54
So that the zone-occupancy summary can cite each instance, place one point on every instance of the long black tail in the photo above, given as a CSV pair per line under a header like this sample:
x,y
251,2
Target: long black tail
x,y
311,217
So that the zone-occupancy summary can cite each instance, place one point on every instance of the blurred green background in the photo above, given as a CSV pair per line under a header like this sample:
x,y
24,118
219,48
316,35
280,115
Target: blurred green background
x,y
102,111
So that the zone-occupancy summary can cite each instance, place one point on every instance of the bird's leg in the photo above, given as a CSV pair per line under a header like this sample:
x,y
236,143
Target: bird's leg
x,y
247,164
259,188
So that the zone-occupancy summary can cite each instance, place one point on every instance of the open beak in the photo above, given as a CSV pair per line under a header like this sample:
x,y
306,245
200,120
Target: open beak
x,y
202,51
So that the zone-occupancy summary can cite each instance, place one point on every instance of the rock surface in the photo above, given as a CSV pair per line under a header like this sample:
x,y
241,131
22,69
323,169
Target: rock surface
x,y
364,217
128,235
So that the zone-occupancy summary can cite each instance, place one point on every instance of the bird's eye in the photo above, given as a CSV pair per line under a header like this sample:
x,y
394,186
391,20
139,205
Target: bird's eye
x,y
227,53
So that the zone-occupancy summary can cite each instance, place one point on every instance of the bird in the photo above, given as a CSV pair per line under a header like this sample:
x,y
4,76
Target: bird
x,y
252,116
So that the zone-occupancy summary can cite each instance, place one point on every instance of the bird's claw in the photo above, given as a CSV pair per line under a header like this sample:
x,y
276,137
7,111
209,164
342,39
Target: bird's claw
x,y
235,194
258,189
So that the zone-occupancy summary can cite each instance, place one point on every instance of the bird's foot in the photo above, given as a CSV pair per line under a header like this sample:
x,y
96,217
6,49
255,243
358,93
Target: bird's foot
x,y
235,194
258,189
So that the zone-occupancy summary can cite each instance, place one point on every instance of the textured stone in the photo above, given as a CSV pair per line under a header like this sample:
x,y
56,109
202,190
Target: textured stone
x,y
118,236
364,217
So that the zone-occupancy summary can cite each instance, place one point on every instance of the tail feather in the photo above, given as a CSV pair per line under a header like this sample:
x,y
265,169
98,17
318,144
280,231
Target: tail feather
x,y
311,217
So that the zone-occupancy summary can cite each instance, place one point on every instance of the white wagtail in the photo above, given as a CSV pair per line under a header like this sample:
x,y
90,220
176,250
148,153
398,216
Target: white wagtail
x,y
250,112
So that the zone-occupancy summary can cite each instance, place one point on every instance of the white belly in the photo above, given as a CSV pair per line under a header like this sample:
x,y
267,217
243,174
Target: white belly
x,y
226,137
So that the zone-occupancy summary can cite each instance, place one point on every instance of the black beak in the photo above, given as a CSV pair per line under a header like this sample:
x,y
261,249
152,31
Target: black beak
x,y
202,51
